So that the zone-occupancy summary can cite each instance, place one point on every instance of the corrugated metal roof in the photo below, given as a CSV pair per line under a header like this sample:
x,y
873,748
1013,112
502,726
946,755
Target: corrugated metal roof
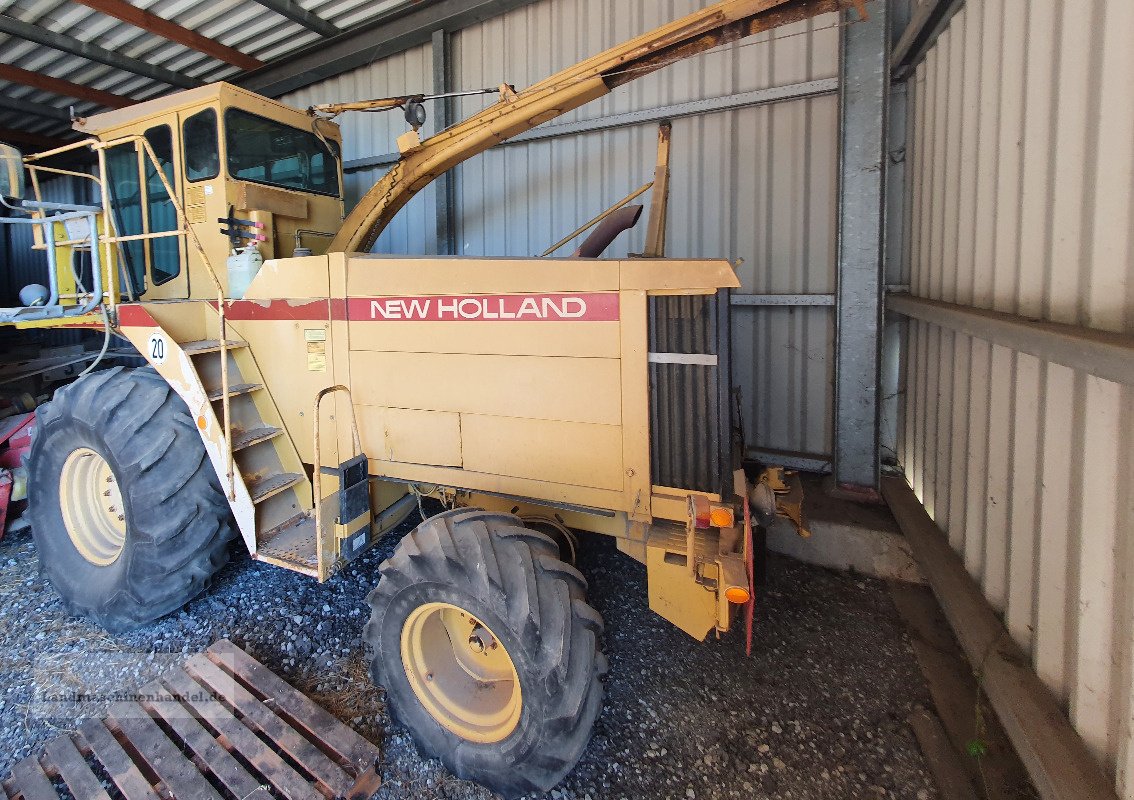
x,y
244,25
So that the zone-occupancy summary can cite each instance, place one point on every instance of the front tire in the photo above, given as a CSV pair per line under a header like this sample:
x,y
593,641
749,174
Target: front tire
x,y
126,511
487,650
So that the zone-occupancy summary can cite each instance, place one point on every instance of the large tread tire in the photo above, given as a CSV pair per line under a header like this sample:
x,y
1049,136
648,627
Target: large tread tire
x,y
178,523
511,578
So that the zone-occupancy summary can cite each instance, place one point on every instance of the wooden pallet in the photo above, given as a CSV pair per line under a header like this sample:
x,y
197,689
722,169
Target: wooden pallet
x,y
223,726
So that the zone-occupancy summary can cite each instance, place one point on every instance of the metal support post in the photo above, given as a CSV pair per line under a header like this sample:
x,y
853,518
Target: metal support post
x,y
444,115
863,94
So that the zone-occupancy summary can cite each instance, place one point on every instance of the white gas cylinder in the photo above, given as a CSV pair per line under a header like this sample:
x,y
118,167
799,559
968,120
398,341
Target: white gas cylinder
x,y
243,265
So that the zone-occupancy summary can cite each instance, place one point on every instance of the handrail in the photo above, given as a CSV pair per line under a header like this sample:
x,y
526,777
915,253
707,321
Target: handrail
x,y
108,238
317,484
46,311
183,229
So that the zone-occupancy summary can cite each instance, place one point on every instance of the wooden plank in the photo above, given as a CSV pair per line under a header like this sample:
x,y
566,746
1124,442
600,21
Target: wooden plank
x,y
177,772
32,783
118,765
73,769
956,694
258,716
46,83
275,770
300,708
944,762
1058,761
219,761
140,18
37,142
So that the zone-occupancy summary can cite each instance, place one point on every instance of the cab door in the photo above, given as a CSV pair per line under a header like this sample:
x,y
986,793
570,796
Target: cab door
x,y
155,265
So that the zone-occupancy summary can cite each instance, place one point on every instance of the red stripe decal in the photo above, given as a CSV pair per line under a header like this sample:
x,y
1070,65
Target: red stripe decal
x,y
257,310
585,307
135,316
582,307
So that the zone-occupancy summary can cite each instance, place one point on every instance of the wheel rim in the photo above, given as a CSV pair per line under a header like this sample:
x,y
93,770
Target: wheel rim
x,y
461,673
91,503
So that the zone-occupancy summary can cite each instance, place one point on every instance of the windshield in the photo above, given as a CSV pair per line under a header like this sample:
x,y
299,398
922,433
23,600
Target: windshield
x,y
261,150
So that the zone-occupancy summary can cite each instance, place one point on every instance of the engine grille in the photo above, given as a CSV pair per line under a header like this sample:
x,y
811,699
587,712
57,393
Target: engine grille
x,y
690,404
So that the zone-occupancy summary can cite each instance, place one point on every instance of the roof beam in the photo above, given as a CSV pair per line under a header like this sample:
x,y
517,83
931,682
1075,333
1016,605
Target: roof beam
x,y
46,83
77,47
38,109
297,13
368,43
36,140
152,23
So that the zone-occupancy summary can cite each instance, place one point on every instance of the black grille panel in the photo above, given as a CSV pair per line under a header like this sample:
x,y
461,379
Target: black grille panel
x,y
690,420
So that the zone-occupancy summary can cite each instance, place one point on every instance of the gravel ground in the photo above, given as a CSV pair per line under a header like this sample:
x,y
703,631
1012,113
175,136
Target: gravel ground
x,y
817,712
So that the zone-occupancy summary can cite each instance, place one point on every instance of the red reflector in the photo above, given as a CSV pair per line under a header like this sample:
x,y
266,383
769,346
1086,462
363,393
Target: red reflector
x,y
700,511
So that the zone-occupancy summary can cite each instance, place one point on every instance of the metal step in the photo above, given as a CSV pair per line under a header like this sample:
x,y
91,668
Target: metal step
x,y
270,485
234,390
202,346
292,545
245,439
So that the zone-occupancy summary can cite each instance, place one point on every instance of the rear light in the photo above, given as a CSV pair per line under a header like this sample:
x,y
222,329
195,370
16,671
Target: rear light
x,y
737,594
722,516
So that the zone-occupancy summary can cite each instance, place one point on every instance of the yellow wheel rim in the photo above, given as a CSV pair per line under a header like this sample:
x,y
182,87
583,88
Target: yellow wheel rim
x,y
91,503
461,673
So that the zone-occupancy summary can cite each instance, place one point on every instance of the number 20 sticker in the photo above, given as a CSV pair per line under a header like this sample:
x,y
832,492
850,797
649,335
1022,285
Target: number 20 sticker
x,y
157,349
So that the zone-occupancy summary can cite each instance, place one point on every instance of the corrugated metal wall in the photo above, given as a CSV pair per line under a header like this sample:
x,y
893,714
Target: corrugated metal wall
x,y
1021,179
756,183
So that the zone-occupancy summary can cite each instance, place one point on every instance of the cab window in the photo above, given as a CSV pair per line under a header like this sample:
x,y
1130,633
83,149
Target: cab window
x,y
202,146
144,206
261,150
165,251
126,202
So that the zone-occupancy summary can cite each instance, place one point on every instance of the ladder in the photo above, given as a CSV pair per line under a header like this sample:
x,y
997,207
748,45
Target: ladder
x,y
269,490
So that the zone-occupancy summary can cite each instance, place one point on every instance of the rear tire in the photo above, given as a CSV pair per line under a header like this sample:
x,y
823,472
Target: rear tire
x,y
128,435
508,585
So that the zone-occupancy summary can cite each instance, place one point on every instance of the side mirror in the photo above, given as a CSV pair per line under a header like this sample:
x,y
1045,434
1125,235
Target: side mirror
x,y
11,172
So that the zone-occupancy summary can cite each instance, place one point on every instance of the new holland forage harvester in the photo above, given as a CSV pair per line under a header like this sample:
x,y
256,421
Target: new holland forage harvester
x,y
305,402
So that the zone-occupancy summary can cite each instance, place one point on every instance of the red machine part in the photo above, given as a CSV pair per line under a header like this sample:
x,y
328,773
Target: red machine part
x,y
15,442
5,496
750,606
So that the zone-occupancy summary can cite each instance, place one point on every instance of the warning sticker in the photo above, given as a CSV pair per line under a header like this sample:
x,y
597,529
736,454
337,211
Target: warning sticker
x,y
316,339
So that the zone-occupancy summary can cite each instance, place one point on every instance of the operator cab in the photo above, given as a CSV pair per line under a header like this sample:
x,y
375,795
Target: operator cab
x,y
247,170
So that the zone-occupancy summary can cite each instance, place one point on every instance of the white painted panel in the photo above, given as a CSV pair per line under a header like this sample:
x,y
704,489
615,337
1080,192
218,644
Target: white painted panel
x,y
1020,157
